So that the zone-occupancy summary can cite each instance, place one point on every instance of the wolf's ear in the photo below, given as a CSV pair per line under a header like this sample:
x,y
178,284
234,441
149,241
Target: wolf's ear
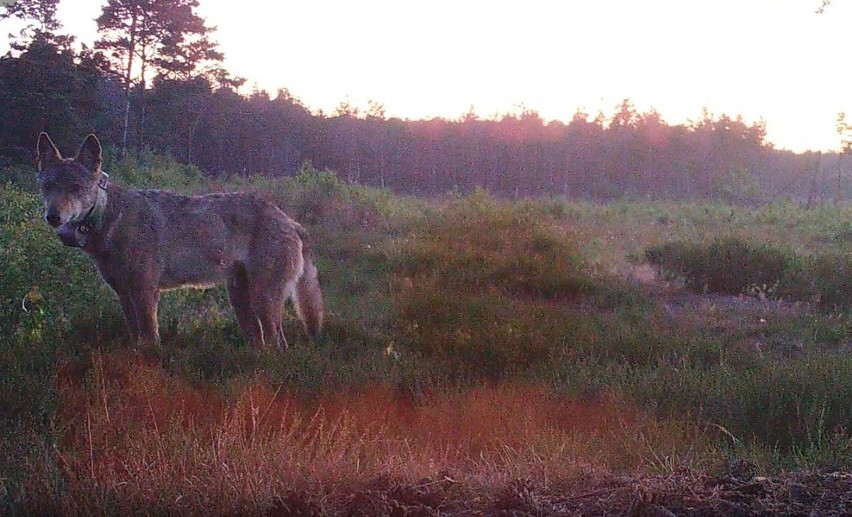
x,y
46,152
90,155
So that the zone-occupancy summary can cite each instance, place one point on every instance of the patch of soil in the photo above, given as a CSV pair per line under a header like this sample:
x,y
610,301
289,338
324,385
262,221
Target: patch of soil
x,y
752,321
384,496
824,494
790,494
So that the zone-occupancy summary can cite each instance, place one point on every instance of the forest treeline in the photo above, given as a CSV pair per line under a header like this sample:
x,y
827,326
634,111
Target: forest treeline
x,y
187,106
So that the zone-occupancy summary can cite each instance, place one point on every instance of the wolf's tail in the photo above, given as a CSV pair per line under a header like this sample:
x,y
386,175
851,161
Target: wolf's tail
x,y
308,296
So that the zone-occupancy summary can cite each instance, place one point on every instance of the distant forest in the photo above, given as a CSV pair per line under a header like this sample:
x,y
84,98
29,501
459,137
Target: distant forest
x,y
163,89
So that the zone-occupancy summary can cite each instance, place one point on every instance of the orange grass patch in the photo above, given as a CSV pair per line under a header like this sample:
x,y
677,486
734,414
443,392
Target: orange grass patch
x,y
134,437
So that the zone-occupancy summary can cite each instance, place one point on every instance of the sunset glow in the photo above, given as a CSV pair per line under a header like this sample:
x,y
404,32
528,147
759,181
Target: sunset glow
x,y
778,61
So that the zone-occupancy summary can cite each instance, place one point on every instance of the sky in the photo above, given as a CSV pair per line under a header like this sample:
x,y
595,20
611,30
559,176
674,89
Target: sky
x,y
774,60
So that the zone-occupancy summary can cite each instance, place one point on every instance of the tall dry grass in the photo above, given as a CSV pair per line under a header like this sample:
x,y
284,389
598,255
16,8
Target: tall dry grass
x,y
134,438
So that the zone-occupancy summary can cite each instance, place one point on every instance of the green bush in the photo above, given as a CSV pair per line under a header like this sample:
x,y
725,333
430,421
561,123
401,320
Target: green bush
x,y
735,266
38,270
149,170
824,279
729,265
492,290
476,245
21,176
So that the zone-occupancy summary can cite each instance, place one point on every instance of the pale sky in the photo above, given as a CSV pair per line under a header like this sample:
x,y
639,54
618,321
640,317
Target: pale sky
x,y
770,59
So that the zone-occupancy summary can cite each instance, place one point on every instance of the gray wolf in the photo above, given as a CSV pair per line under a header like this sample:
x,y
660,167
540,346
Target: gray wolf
x,y
146,241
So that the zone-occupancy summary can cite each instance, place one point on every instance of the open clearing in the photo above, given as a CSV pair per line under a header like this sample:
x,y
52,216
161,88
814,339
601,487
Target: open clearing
x,y
480,357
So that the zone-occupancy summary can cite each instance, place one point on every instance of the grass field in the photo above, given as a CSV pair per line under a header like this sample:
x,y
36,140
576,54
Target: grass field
x,y
476,353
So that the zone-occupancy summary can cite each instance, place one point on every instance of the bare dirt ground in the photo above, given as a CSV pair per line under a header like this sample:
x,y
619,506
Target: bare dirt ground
x,y
738,494
751,321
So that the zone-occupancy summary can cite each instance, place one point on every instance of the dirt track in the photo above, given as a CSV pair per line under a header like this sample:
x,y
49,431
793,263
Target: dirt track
x,y
683,494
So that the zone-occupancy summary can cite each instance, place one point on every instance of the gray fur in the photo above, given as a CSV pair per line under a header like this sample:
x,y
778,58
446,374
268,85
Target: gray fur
x,y
147,241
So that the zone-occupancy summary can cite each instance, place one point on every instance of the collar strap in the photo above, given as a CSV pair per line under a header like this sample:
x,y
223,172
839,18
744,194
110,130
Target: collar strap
x,y
103,181
92,219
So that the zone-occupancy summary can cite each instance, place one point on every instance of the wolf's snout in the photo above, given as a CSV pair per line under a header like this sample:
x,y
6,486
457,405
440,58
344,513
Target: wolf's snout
x,y
53,219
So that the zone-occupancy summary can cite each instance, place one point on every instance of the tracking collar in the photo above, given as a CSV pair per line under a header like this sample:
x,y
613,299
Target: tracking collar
x,y
92,219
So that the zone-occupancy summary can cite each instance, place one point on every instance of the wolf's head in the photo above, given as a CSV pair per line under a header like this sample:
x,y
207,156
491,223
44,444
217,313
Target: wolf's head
x,y
69,186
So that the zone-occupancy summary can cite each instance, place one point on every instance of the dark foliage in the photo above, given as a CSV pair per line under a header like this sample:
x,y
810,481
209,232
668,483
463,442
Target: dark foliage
x,y
729,265
192,111
735,266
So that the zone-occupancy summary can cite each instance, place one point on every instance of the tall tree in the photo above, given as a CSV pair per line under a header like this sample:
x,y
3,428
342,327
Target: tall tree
x,y
189,57
42,12
41,19
177,108
46,88
844,129
149,34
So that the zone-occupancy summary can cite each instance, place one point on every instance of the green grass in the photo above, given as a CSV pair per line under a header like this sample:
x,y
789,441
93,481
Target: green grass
x,y
434,301
731,265
735,266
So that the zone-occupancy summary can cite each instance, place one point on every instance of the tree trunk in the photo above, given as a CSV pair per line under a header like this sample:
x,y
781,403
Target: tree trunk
x,y
141,123
127,76
812,195
839,187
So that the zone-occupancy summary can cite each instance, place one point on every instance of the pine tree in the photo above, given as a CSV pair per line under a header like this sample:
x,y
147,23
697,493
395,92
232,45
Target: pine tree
x,y
42,23
146,36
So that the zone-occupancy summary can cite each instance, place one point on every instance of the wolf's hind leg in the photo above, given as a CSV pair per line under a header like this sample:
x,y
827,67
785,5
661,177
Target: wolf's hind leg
x,y
268,304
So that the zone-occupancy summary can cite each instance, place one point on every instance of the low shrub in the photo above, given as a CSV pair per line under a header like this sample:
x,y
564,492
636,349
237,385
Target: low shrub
x,y
729,265
489,290
476,245
824,279
734,266
38,273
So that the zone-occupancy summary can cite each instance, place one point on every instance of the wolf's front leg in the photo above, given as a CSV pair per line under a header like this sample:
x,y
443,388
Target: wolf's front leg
x,y
145,310
129,314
